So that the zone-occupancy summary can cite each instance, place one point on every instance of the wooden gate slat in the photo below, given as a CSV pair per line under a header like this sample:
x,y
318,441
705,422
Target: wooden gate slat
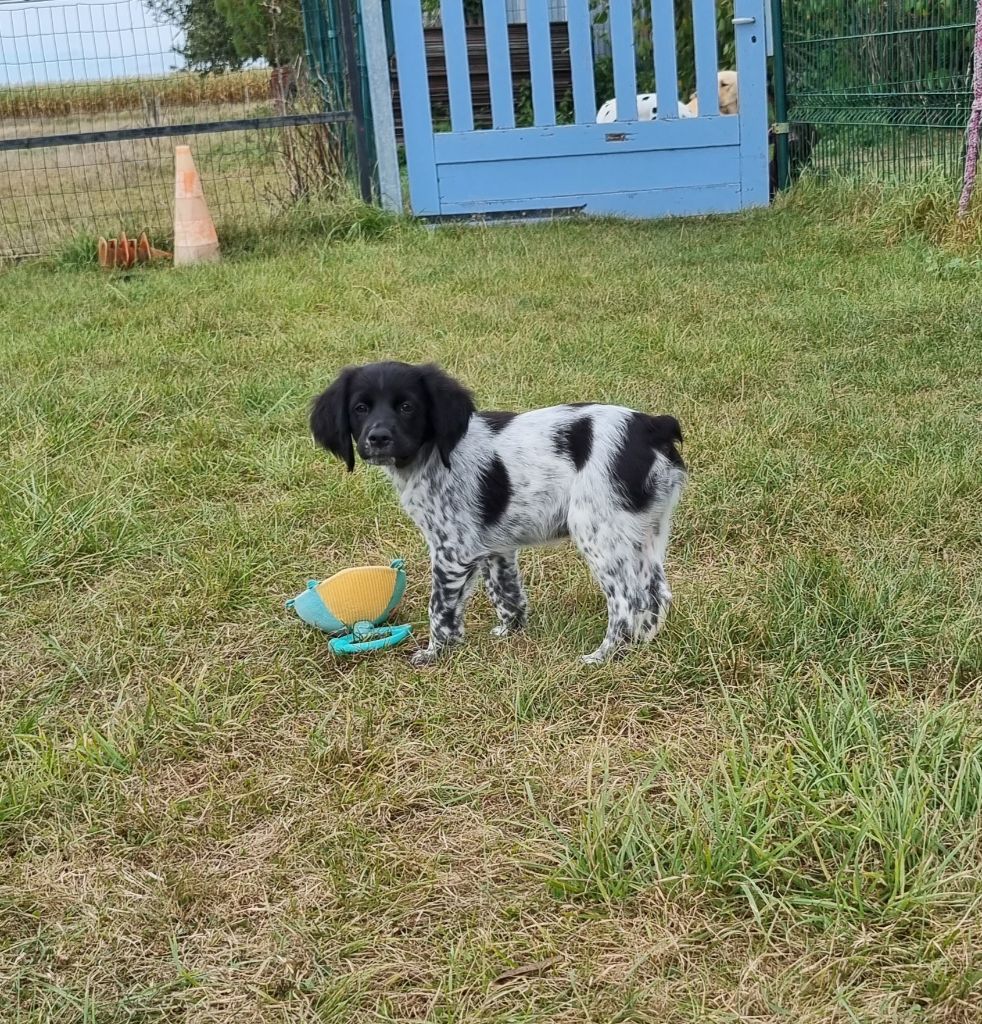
x,y
704,33
500,71
540,58
407,27
666,61
581,60
622,47
456,57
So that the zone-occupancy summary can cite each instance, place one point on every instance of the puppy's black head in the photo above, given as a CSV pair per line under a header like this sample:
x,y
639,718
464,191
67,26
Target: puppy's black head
x,y
392,412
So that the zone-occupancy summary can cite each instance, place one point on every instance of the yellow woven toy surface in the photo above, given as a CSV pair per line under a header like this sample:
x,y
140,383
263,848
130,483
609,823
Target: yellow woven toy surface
x,y
360,594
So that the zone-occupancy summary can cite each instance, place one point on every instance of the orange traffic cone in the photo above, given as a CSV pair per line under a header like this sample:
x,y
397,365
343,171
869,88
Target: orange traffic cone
x,y
195,238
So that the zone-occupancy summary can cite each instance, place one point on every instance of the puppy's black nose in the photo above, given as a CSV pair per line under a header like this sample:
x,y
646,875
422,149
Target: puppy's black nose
x,y
380,438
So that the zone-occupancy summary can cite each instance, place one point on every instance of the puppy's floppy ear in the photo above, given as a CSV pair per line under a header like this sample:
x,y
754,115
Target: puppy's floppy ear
x,y
451,407
329,421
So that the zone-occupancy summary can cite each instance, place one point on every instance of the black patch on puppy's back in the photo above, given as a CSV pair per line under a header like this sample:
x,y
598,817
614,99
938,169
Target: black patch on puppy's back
x,y
631,467
575,440
497,421
494,492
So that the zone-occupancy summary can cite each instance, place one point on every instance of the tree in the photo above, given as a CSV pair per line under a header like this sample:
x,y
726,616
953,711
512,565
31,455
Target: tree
x,y
222,35
267,29
207,43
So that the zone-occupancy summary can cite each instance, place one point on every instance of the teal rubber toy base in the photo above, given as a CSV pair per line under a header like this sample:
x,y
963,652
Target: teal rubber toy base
x,y
365,638
362,637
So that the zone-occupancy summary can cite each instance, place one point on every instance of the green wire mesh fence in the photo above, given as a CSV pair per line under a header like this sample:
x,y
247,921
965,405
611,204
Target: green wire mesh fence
x,y
878,88
323,28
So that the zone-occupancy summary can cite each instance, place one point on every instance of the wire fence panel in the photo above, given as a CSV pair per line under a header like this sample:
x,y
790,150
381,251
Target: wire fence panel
x,y
878,89
323,22
93,102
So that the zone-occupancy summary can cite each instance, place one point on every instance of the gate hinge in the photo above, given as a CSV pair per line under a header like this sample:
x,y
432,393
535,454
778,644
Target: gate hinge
x,y
780,128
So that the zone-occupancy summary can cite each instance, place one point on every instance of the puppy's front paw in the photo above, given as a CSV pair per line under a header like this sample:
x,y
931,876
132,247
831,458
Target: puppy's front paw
x,y
603,654
427,656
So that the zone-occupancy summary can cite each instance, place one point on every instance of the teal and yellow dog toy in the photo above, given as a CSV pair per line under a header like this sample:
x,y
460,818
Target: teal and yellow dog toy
x,y
353,606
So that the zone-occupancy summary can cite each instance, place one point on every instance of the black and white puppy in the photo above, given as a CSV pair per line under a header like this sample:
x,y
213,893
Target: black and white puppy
x,y
481,485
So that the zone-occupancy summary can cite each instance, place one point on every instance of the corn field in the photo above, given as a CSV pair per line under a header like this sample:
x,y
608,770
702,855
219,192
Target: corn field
x,y
181,89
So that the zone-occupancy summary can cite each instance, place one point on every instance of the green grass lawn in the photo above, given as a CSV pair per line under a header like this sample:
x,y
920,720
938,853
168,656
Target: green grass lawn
x,y
772,814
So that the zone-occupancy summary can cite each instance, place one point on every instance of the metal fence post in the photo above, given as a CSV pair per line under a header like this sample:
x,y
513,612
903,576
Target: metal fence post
x,y
380,94
780,98
357,100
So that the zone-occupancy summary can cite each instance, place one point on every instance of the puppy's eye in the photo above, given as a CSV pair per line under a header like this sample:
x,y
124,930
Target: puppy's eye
x,y
360,409
406,408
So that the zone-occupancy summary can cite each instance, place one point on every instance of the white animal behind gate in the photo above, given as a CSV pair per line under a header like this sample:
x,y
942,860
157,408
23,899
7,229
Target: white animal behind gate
x,y
729,102
647,108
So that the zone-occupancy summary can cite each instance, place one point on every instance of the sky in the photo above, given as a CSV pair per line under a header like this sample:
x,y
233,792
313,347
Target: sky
x,y
57,41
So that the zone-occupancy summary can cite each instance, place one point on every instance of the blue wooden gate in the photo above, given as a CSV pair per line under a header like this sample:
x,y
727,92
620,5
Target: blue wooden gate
x,y
667,166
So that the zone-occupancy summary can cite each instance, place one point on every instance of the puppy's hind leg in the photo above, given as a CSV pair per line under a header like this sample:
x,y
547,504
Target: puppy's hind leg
x,y
657,599
506,593
656,593
614,555
620,623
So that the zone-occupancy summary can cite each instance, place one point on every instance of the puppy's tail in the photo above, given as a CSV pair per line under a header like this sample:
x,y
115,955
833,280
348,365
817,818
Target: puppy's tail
x,y
664,435
665,428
